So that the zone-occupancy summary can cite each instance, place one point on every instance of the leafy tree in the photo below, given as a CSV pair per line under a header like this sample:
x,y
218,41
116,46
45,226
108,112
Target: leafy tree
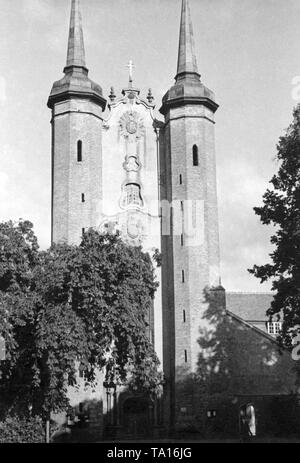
x,y
281,207
85,305
18,257
20,430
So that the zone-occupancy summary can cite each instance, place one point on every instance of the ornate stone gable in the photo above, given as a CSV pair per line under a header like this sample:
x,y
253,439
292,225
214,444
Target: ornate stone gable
x,y
131,141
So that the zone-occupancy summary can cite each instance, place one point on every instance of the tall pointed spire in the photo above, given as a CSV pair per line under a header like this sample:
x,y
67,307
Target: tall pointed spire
x,y
187,63
76,83
76,52
188,88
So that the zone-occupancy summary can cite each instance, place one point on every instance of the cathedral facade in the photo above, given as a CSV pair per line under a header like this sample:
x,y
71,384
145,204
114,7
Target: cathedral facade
x,y
117,166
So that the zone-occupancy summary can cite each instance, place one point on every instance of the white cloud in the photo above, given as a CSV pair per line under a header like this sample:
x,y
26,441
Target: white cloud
x,y
36,9
241,185
3,185
23,195
2,89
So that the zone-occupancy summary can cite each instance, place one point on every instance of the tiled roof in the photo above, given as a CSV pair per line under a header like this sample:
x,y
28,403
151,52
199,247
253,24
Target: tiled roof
x,y
258,330
249,306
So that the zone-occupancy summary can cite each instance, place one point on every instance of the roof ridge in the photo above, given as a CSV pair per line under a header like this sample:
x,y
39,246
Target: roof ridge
x,y
250,292
254,328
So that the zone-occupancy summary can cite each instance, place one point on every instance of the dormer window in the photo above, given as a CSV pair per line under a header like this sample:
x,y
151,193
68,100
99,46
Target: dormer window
x,y
274,327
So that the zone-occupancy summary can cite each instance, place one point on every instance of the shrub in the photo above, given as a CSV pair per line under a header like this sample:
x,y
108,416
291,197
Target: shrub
x,y
21,430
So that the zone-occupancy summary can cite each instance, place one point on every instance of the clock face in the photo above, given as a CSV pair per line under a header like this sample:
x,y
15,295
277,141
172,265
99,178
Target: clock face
x,y
131,126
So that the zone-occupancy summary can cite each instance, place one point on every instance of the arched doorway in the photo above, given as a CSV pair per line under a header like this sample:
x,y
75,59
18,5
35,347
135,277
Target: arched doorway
x,y
138,417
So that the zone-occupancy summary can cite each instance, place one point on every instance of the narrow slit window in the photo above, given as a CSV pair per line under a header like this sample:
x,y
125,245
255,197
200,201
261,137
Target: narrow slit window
x,y
185,355
180,179
79,151
195,156
182,276
82,198
83,231
181,205
181,239
183,316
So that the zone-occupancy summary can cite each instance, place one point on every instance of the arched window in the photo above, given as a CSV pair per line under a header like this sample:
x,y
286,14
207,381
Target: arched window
x,y
79,151
195,156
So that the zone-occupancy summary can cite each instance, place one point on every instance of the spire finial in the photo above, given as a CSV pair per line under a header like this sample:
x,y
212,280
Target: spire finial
x,y
187,63
131,67
76,52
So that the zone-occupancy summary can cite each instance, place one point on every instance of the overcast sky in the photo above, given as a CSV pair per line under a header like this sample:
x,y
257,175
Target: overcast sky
x,y
248,52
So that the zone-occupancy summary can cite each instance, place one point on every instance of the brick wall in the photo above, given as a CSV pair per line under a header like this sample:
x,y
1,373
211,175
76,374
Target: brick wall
x,y
184,301
75,120
238,364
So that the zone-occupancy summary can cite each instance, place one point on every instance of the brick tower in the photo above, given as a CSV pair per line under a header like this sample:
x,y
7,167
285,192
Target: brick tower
x,y
77,105
190,252
105,176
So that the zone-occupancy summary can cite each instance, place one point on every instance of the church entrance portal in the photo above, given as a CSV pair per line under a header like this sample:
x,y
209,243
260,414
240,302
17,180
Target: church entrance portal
x,y
138,417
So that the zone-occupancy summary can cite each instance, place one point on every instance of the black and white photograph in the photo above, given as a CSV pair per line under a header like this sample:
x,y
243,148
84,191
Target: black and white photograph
x,y
149,224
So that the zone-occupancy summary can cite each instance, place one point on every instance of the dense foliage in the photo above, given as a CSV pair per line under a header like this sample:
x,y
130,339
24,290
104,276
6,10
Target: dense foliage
x,y
281,208
71,306
22,430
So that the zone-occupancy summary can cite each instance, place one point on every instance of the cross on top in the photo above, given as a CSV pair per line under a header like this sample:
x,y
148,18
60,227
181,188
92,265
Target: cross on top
x,y
130,66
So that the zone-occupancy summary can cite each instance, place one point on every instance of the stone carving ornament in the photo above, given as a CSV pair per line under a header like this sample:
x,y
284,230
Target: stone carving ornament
x,y
131,123
131,164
